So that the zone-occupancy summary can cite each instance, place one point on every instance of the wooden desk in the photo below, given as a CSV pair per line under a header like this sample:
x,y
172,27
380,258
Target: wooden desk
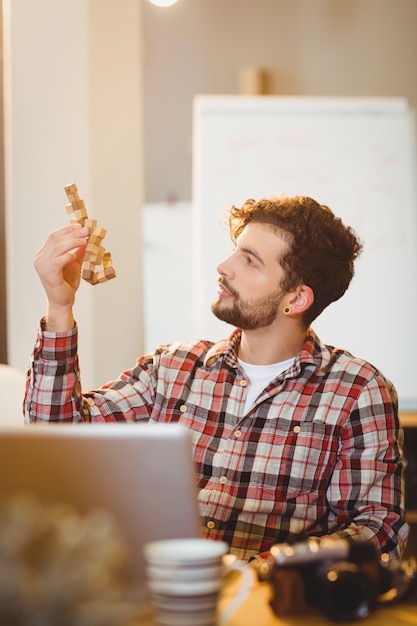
x,y
255,611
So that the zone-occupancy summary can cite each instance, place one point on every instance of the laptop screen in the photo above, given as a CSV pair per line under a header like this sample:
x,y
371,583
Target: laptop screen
x,y
143,475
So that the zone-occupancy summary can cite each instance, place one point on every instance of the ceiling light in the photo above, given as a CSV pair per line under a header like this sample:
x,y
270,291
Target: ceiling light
x,y
163,3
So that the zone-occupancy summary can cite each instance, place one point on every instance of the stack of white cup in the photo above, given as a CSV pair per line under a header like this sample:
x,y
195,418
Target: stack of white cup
x,y
185,577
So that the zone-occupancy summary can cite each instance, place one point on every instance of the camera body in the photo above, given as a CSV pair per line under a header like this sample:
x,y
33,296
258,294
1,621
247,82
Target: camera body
x,y
343,579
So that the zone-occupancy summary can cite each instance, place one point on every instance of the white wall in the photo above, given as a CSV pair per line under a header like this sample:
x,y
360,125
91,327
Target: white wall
x,y
306,47
73,113
167,273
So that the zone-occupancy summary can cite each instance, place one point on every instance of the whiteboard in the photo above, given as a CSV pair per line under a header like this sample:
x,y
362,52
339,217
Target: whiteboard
x,y
355,155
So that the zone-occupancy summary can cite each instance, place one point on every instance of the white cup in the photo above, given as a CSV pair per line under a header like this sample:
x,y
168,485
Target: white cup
x,y
185,579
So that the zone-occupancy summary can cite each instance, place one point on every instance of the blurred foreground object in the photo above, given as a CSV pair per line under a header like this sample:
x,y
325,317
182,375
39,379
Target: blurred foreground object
x,y
344,579
59,568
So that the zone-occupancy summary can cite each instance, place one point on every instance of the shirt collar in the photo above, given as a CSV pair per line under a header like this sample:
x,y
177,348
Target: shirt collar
x,y
313,352
227,348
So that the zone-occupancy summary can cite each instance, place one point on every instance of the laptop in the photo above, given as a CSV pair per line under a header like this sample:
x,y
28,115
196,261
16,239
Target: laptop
x,y
142,474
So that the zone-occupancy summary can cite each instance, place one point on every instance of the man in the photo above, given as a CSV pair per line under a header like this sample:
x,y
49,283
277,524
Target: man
x,y
291,438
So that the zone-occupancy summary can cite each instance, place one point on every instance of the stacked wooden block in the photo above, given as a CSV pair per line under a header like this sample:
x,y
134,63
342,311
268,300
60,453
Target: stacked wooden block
x,y
97,264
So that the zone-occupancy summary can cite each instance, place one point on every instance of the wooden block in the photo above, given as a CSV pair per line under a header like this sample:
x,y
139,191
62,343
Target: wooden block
x,y
100,255
77,209
107,262
98,232
80,215
90,224
72,192
92,248
89,266
106,274
71,188
78,205
110,272
88,275
95,254
94,239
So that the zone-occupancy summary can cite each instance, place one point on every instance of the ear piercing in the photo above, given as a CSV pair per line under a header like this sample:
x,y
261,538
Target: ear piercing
x,y
287,310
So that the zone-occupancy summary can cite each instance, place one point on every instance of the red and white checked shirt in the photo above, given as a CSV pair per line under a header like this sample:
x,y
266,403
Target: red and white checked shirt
x,y
318,452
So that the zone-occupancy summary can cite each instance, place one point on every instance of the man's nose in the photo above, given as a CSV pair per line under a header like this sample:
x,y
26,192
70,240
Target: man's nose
x,y
224,268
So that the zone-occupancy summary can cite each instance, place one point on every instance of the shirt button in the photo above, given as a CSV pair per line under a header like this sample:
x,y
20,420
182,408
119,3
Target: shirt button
x,y
237,433
296,429
183,408
223,480
210,525
243,383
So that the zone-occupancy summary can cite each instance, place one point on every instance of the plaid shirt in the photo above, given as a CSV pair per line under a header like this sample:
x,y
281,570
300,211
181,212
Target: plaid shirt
x,y
318,452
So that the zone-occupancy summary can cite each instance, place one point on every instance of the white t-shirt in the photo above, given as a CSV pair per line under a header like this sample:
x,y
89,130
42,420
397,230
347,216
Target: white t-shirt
x,y
260,376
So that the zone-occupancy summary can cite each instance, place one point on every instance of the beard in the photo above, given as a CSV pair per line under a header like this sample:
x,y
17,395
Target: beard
x,y
248,314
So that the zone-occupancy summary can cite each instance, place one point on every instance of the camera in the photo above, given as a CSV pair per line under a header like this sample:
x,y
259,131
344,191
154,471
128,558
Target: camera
x,y
344,579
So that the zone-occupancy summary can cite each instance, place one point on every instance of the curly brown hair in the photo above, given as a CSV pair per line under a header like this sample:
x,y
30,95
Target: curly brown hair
x,y
322,249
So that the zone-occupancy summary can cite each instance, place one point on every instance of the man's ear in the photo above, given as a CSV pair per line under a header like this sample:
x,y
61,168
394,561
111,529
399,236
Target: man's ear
x,y
301,299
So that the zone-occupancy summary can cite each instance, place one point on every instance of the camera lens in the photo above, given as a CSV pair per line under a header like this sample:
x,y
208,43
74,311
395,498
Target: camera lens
x,y
344,592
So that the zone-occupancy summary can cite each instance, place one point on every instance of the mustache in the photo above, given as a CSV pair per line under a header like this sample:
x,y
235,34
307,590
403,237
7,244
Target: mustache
x,y
227,286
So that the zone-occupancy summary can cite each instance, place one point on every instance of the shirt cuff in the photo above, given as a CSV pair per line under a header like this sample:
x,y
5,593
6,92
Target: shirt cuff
x,y
59,346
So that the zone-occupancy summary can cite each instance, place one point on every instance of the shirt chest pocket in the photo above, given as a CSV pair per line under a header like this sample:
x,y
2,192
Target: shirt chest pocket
x,y
298,461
